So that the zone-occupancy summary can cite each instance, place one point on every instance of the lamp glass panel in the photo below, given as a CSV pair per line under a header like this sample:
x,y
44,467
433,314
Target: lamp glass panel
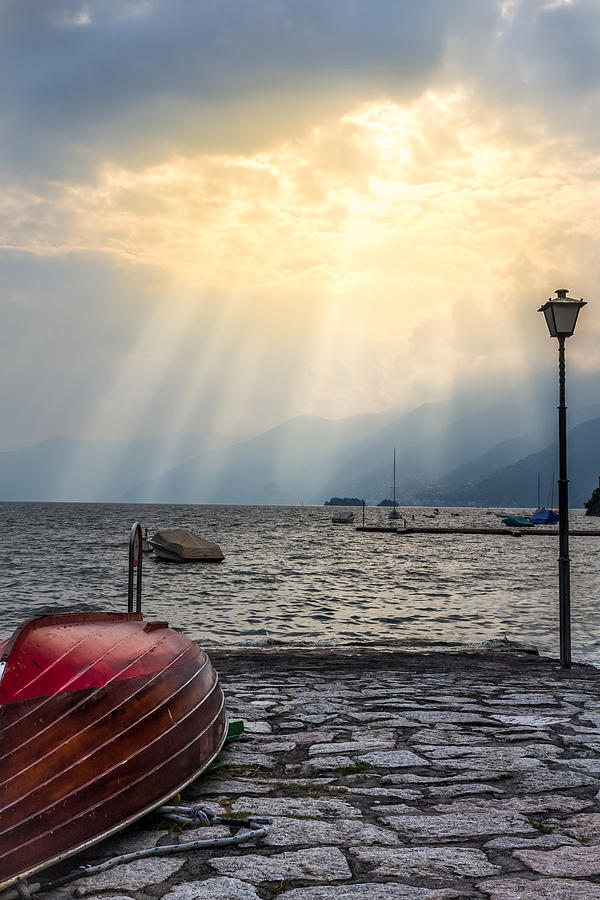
x,y
565,317
549,316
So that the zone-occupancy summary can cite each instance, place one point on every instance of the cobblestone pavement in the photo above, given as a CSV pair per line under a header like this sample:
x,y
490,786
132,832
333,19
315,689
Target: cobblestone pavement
x,y
389,776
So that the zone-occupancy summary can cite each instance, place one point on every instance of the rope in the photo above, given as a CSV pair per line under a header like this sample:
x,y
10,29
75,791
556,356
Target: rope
x,y
189,815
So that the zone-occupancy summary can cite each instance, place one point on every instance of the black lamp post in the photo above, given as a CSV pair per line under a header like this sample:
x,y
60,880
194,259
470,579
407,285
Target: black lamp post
x,y
561,316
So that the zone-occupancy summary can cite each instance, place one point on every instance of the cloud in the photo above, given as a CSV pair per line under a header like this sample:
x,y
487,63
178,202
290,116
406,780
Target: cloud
x,y
133,82
541,61
417,238
438,186
287,206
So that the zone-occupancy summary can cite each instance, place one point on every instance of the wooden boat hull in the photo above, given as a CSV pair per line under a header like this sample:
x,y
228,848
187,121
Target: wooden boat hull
x,y
103,717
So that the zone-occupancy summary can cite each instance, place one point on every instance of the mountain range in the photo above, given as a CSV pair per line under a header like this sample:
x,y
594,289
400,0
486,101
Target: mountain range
x,y
466,452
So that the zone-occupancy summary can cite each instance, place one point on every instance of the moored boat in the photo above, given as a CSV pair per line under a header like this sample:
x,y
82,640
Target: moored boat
x,y
103,717
544,516
182,545
343,518
518,521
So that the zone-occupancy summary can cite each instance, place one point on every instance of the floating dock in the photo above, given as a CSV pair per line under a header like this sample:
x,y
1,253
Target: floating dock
x,y
506,530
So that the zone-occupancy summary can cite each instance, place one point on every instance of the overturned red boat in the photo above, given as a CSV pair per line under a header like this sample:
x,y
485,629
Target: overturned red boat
x,y
103,717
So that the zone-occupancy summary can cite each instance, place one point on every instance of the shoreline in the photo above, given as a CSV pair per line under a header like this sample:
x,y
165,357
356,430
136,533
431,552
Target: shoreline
x,y
433,653
359,657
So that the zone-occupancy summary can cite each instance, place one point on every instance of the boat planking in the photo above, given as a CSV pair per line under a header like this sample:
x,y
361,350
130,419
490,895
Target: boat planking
x,y
103,717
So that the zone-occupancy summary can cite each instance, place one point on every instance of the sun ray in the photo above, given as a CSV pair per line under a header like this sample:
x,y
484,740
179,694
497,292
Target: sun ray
x,y
368,255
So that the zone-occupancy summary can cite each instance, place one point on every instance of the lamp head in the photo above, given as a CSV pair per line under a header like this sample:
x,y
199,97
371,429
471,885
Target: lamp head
x,y
561,313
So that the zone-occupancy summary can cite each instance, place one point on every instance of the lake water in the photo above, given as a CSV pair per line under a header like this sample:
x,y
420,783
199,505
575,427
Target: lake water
x,y
290,576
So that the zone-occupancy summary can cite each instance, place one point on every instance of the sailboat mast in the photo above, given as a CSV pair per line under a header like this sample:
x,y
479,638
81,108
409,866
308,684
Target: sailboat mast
x,y
394,512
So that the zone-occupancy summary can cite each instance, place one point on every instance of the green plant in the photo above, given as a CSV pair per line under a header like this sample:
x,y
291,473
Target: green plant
x,y
539,826
290,815
308,790
253,770
354,768
235,730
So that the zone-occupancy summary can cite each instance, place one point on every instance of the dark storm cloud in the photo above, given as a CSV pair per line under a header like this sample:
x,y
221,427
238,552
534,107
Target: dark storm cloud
x,y
125,81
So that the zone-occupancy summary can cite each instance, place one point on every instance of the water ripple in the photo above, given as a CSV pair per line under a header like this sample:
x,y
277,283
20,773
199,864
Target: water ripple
x,y
290,577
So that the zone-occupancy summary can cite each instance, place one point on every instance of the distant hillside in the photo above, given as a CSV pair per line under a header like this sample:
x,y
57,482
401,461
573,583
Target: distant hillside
x,y
309,458
62,469
289,464
432,447
468,451
516,485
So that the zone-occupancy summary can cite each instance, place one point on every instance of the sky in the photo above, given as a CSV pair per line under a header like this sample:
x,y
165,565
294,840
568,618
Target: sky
x,y
219,214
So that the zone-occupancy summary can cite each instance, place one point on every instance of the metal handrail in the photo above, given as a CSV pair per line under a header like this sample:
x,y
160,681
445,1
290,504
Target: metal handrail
x,y
135,562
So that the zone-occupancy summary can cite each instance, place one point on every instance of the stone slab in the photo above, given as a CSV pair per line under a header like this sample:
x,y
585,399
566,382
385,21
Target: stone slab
x,y
565,862
299,806
133,876
318,864
212,889
237,756
387,792
461,825
543,842
525,699
541,889
533,721
259,727
233,786
517,758
458,790
585,827
544,779
289,832
432,717
311,737
433,736
370,892
350,747
393,759
426,862
590,766
367,891
326,764
534,804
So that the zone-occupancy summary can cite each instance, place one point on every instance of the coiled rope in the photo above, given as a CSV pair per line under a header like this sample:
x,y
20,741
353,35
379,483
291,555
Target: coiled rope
x,y
189,815
258,827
